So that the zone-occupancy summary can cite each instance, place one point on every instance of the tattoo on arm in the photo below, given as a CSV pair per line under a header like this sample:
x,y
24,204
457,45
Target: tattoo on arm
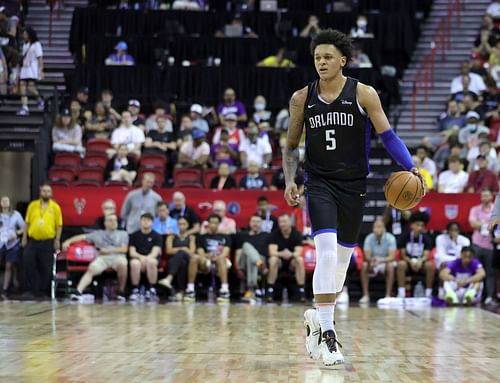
x,y
290,164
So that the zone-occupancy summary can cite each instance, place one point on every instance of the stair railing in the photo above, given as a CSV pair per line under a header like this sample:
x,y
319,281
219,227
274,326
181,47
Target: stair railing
x,y
423,80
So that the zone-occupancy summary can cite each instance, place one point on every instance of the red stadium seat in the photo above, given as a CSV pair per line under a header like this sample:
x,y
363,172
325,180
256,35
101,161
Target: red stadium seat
x,y
91,174
153,161
189,185
99,160
238,175
98,145
60,183
277,162
66,159
186,175
86,183
208,176
117,183
61,173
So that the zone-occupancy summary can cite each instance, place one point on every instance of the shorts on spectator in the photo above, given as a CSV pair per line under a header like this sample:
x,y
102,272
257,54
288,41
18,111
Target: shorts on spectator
x,y
103,262
10,255
380,268
29,79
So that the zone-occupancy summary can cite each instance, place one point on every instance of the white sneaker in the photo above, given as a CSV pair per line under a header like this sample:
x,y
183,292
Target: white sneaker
x,y
488,301
330,349
364,299
343,298
313,334
134,296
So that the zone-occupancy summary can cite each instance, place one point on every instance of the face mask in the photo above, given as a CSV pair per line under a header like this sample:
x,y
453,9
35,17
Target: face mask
x,y
260,106
472,127
362,23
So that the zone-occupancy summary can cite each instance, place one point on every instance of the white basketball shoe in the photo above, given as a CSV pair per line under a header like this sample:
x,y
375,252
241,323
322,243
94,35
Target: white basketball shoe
x,y
313,334
329,348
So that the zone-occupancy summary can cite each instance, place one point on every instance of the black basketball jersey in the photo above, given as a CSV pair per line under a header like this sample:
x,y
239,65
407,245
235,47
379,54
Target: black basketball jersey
x,y
337,134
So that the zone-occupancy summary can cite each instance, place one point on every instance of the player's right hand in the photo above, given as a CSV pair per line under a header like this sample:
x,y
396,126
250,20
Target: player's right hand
x,y
292,196
493,222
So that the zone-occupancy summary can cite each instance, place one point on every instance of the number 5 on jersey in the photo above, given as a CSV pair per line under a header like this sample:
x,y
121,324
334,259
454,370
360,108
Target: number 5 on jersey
x,y
331,142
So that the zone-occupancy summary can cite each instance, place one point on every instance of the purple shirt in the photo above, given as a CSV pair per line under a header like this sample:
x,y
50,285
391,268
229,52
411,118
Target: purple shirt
x,y
237,108
460,272
221,155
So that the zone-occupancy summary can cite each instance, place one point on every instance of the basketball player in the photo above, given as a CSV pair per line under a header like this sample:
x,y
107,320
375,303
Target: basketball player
x,y
336,112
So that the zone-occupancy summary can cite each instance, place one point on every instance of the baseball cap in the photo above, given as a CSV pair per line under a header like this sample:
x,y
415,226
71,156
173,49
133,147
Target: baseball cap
x,y
134,102
480,156
122,45
231,117
148,215
197,133
473,114
65,112
197,108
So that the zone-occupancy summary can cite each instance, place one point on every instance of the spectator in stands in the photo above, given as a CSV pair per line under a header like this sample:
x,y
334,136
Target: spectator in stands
x,y
112,246
261,115
476,82
212,249
359,58
231,105
285,253
4,75
253,180
100,124
251,256
482,179
224,180
145,247
31,70
379,252
224,152
195,152
140,201
128,134
180,209
255,149
164,224
67,135
491,27
188,5
227,225
107,101
479,217
465,91
489,105
493,9
160,112
396,221
236,135
120,57
425,174
469,105
278,60
312,28
494,63
77,115
40,239
453,180
486,150
236,28
450,244
120,168
134,107
12,227
415,248
452,118
82,96
444,152
361,29
482,46
197,118
161,140
469,135
180,247
264,211
462,279
108,207
427,163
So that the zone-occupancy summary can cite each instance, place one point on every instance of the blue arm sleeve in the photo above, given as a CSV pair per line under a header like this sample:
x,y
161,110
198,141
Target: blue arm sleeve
x,y
397,149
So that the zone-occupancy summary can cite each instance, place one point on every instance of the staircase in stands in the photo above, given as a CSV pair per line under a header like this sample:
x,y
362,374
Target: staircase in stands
x,y
463,33
54,39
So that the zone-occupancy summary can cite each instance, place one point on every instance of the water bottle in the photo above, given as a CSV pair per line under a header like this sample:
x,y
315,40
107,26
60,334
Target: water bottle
x,y
419,290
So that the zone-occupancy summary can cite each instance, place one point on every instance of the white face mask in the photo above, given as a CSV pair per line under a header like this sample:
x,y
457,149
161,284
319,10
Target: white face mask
x,y
362,23
259,106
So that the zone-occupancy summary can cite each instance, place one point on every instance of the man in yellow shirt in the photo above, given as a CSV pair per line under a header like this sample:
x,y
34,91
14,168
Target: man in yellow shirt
x,y
40,239
277,61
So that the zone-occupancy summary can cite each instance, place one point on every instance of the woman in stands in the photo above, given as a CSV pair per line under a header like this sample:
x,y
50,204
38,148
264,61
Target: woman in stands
x,y
101,124
31,70
66,134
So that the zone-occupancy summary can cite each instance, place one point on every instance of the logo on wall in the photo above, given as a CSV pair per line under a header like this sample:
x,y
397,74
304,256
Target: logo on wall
x,y
451,211
233,208
205,206
79,204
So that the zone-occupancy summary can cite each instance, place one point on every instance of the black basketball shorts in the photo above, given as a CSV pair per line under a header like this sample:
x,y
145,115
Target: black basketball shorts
x,y
336,205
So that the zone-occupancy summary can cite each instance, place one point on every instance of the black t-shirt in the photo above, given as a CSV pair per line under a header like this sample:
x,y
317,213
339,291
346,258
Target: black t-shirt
x,y
162,137
144,243
295,239
188,213
213,242
249,182
415,245
259,241
229,184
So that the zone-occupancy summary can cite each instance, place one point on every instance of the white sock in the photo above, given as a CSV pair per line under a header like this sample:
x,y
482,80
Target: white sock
x,y
343,259
428,293
326,261
401,292
224,287
325,315
190,287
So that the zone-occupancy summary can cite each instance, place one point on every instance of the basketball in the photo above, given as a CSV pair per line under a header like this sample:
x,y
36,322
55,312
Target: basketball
x,y
403,190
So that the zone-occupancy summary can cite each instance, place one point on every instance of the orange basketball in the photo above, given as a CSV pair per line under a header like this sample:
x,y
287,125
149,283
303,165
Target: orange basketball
x,y
403,190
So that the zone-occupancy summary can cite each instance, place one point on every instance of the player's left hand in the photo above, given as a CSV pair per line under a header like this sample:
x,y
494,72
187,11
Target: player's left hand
x,y
292,196
417,173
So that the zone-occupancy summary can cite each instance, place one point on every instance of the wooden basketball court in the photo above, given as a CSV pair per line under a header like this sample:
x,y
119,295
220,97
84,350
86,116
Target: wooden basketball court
x,y
238,343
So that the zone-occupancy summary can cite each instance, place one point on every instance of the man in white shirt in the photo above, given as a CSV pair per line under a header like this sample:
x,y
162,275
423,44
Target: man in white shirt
x,y
128,134
255,148
455,179
449,245
476,86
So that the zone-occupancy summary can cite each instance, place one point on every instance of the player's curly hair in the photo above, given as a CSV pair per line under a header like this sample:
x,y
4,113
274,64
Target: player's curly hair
x,y
336,38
